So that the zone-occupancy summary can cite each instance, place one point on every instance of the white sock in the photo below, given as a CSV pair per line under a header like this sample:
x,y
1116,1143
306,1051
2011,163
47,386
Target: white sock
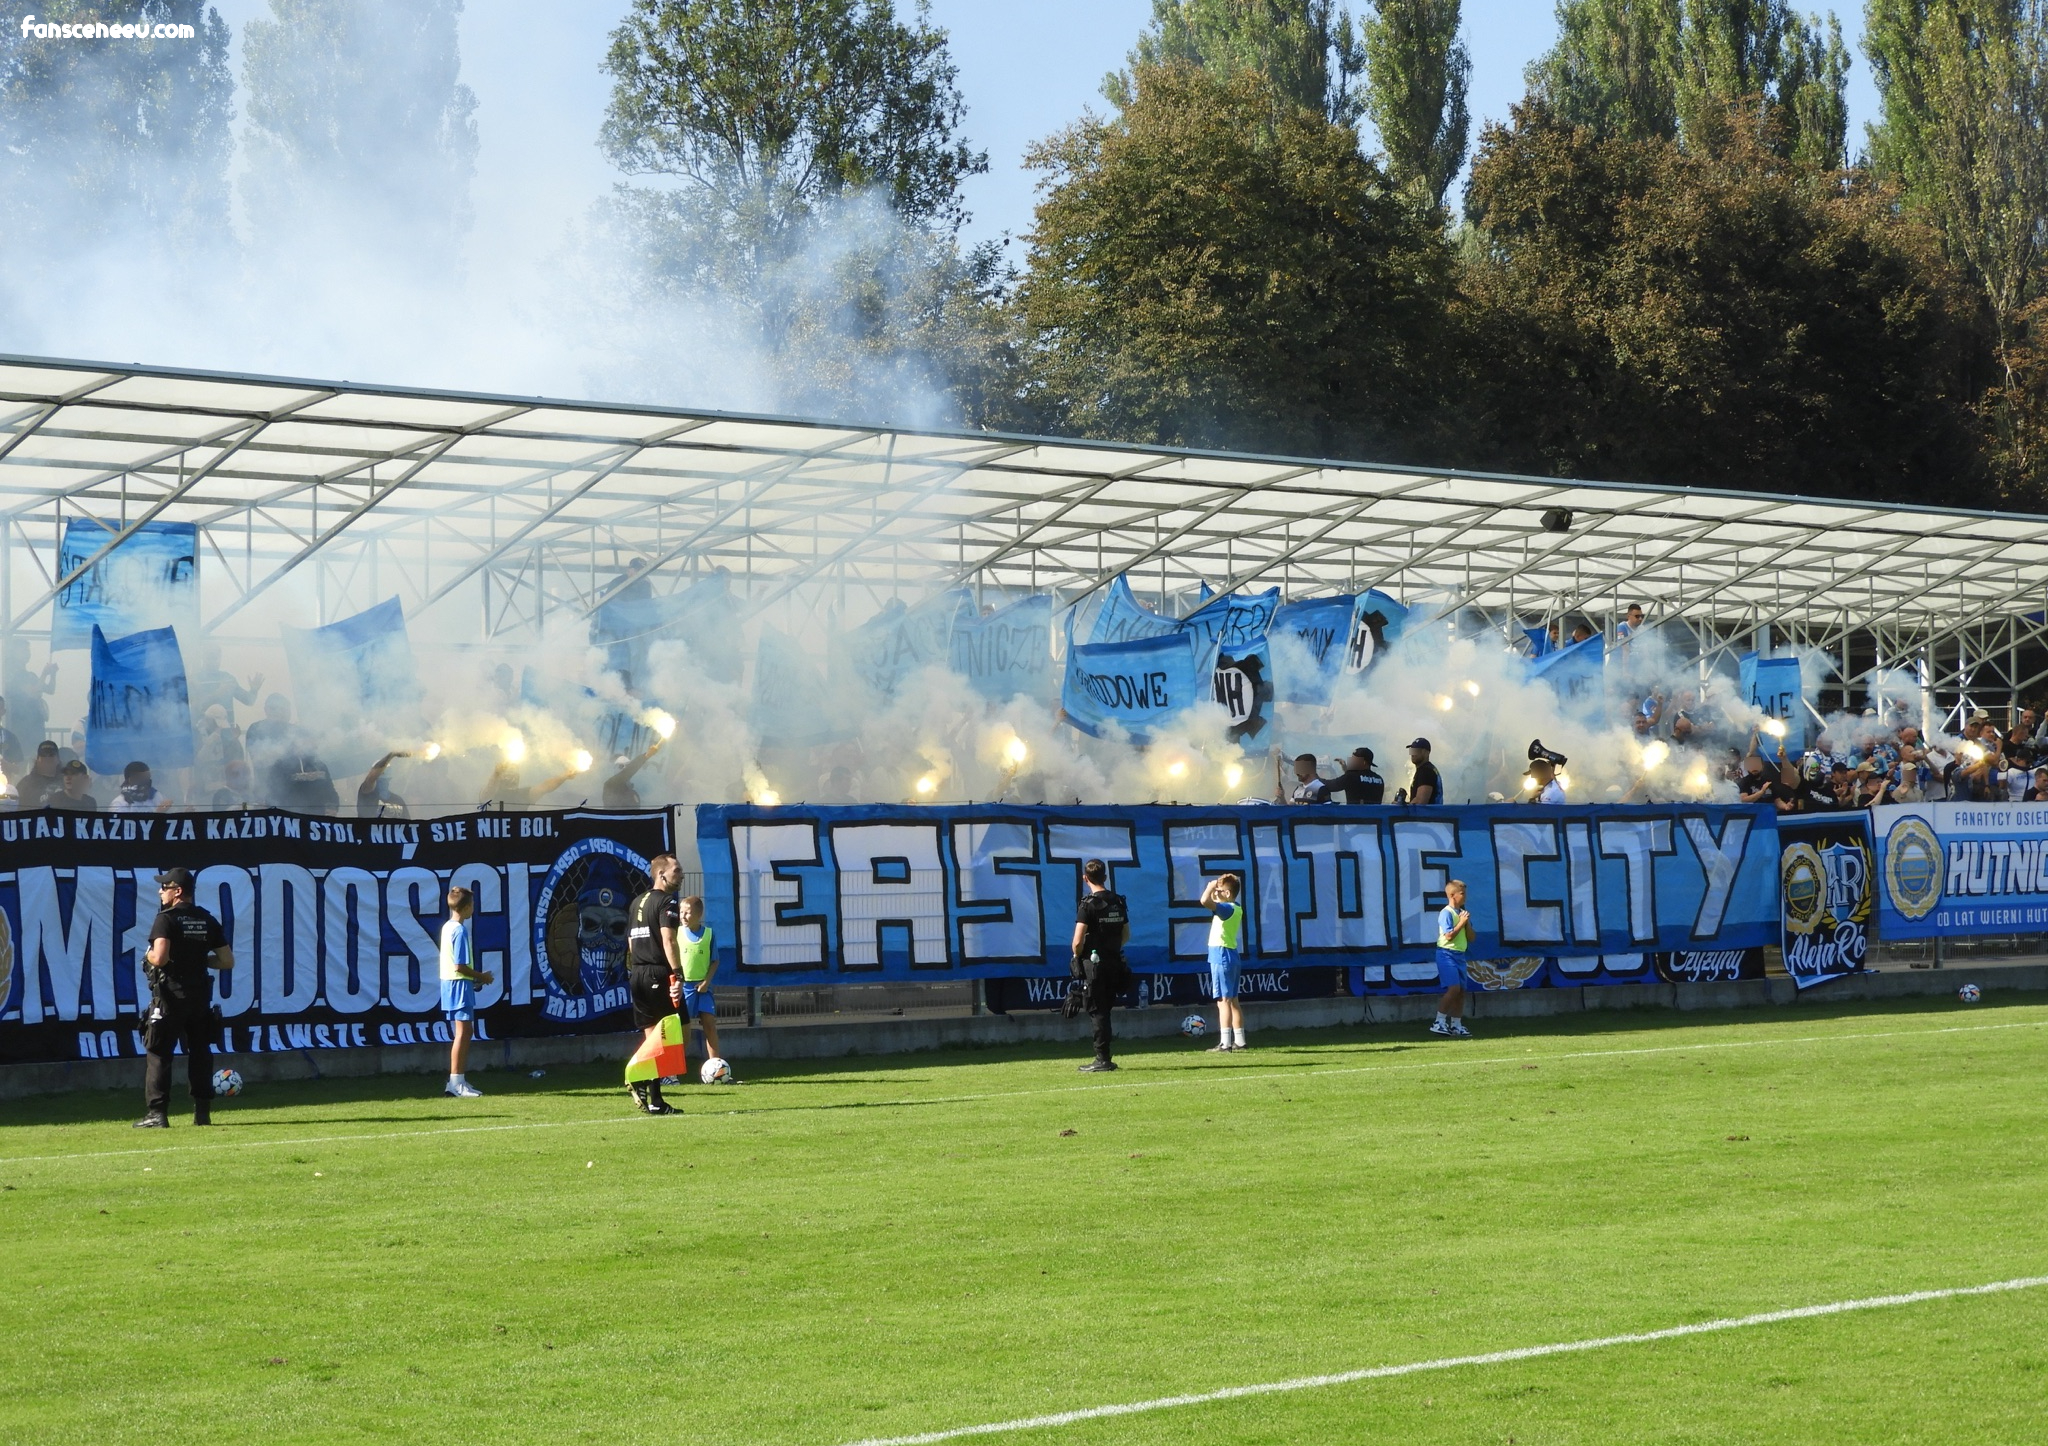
x,y
456,1079
1239,1040
1442,1018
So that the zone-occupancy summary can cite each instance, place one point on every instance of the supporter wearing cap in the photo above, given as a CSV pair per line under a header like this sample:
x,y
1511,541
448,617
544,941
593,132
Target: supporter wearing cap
x,y
1360,782
1425,785
73,795
139,793
43,778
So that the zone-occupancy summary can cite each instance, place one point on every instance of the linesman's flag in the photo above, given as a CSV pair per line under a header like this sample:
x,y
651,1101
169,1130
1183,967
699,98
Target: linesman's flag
x,y
661,1056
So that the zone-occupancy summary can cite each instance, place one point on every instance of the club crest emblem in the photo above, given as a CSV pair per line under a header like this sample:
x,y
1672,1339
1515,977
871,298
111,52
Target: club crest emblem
x,y
1913,872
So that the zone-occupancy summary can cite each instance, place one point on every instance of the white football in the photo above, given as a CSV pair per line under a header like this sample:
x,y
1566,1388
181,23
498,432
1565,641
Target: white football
x,y
715,1071
1969,994
227,1083
1194,1026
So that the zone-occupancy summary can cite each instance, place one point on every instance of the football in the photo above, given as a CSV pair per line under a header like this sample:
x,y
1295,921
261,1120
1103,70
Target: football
x,y
1194,1026
227,1083
1969,994
715,1071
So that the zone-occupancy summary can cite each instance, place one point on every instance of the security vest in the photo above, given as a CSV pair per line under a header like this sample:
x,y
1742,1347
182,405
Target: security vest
x,y
695,954
1224,933
643,928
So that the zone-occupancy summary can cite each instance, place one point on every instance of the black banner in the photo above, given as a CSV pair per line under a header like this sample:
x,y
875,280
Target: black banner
x,y
335,923
1829,886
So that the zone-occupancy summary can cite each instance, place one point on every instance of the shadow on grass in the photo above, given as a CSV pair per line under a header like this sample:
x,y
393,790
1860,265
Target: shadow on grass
x,y
1273,1051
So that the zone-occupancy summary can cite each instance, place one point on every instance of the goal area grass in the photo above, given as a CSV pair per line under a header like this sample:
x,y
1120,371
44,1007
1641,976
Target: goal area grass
x,y
866,1249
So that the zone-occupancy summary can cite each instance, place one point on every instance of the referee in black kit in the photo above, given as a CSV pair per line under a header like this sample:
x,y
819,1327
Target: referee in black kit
x,y
184,943
1103,926
651,921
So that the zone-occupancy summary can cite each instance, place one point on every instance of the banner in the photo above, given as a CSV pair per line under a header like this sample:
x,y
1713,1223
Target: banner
x,y
138,708
1137,685
1772,687
1313,641
1121,619
1710,966
150,581
360,664
1578,673
1829,889
1377,622
335,924
899,640
819,895
1006,652
1957,869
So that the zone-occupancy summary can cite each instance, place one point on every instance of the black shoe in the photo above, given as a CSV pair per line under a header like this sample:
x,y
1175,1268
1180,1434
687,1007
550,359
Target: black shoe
x,y
656,1105
1100,1066
153,1121
202,1112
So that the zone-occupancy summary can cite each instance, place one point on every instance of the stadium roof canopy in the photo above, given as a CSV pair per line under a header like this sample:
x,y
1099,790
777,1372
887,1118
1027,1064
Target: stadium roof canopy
x,y
493,513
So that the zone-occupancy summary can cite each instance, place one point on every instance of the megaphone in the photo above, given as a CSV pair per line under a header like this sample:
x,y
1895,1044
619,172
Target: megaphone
x,y
1538,753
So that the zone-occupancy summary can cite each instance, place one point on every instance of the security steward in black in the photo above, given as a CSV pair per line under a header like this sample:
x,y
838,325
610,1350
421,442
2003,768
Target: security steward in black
x,y
651,921
1100,933
184,943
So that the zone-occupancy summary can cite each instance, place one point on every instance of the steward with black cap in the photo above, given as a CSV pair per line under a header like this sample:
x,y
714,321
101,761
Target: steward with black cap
x,y
1360,782
185,942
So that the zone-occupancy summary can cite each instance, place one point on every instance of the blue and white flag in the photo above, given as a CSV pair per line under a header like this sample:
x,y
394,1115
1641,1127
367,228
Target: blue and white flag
x,y
1307,642
1008,652
1121,619
150,581
1578,673
1139,685
362,664
139,708
1772,686
702,616
899,640
1377,624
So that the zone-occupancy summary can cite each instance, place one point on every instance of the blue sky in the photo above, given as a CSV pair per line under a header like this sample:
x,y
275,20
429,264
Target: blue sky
x,y
1026,69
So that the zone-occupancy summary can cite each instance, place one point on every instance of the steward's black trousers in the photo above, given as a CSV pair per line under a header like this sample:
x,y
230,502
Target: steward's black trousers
x,y
1106,980
187,1017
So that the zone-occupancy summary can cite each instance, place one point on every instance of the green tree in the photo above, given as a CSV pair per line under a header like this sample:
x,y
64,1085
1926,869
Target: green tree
x,y
812,163
359,123
1963,132
1307,51
1417,71
1721,318
1614,68
100,137
1215,268
1652,69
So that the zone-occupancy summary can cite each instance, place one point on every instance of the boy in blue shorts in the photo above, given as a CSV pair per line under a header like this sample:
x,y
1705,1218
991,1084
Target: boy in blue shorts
x,y
1225,931
1453,938
698,961
459,981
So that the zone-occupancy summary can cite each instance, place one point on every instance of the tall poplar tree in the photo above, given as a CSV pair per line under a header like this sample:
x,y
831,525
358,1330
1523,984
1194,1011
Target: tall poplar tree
x,y
1306,52
1416,74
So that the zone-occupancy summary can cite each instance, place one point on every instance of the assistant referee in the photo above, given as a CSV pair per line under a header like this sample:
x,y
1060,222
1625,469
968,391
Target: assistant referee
x,y
184,943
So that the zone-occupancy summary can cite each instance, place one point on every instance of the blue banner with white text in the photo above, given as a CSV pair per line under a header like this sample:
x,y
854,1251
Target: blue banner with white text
x,y
1948,870
818,895
1138,686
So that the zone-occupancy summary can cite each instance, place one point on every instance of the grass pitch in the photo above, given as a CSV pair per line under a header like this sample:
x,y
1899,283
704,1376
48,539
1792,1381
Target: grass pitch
x,y
859,1249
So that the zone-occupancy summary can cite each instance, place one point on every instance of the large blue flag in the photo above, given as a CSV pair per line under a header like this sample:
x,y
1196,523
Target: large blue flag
x,y
1578,673
1139,685
1121,619
899,640
1007,652
1773,687
151,580
140,710
362,664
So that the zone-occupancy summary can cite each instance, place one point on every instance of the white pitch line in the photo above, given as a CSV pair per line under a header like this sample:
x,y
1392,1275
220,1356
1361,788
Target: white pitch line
x,y
1445,1363
1200,1077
